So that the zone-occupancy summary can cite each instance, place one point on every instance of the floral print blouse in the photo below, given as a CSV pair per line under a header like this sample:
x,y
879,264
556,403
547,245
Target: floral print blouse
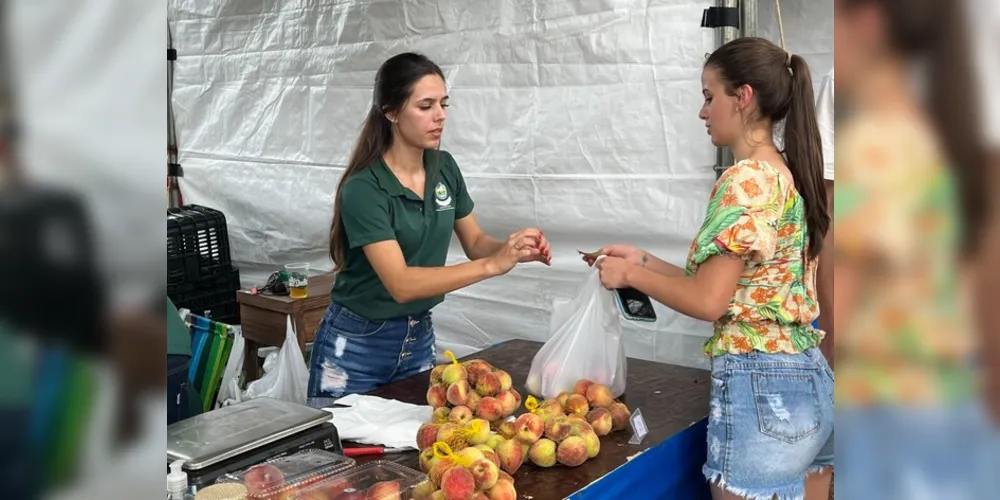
x,y
756,214
909,338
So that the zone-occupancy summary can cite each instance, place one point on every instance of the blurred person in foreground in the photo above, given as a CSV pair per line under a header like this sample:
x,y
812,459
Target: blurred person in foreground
x,y
907,213
751,270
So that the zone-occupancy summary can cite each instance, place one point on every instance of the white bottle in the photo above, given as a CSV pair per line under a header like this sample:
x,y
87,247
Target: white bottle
x,y
177,482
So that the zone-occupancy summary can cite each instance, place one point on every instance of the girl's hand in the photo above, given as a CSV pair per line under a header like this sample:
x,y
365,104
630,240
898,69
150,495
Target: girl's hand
x,y
629,253
521,246
545,252
613,272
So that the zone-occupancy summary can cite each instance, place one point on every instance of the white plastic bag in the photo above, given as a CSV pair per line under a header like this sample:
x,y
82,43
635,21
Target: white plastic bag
x,y
229,387
288,380
585,342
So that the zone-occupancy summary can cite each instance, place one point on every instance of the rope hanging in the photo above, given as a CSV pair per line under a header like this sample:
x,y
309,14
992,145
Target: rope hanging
x,y
781,26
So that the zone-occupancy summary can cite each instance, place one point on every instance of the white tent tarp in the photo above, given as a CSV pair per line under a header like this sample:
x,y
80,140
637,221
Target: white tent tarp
x,y
576,117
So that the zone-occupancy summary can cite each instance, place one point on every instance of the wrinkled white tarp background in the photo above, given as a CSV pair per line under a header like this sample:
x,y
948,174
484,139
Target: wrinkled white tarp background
x,y
578,117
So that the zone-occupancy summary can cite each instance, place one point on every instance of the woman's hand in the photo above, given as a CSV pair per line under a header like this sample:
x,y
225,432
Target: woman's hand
x,y
613,272
545,253
628,253
521,246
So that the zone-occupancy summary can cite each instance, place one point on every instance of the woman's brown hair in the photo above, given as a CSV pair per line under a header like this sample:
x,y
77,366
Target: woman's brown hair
x,y
783,86
393,85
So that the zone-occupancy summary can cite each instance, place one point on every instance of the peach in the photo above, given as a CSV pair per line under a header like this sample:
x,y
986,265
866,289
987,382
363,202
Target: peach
x,y
572,451
260,478
529,427
593,443
436,374
517,397
488,384
581,386
437,396
477,431
561,398
511,455
423,491
427,435
481,496
437,495
543,453
490,409
579,426
620,415
485,472
453,373
440,415
600,419
489,453
458,484
506,477
426,460
548,413
599,396
508,403
558,428
574,404
473,402
503,490
460,415
577,416
494,441
506,429
505,381
384,490
551,403
453,435
476,367
469,455
458,393
439,467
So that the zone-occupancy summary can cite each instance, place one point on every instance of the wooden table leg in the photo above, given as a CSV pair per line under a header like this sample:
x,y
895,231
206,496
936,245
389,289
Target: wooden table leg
x,y
250,364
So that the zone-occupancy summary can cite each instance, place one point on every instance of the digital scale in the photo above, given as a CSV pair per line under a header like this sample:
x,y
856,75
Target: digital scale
x,y
235,437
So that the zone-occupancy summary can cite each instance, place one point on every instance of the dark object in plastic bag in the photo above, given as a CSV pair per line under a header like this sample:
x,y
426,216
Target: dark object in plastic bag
x,y
276,285
635,305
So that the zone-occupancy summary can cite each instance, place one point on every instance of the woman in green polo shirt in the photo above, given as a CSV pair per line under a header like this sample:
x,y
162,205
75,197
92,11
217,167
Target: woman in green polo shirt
x,y
397,205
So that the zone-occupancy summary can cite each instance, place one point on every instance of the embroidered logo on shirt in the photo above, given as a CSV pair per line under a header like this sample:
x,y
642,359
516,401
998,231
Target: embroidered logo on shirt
x,y
442,197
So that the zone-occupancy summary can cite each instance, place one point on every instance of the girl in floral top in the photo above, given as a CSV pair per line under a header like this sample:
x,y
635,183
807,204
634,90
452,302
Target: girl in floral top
x,y
752,271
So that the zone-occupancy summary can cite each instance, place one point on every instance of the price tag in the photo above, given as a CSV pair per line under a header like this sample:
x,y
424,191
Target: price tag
x,y
639,429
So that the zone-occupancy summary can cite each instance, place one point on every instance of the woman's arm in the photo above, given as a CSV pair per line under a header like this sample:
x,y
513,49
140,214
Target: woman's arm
x,y
660,266
408,283
476,243
705,296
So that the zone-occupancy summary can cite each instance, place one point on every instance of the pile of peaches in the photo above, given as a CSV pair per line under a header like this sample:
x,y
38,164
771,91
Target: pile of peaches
x,y
472,454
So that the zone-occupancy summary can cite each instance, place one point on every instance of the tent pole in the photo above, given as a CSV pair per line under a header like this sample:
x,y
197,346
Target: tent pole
x,y
724,35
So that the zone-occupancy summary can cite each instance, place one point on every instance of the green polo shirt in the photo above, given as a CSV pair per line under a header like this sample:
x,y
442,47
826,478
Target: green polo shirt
x,y
376,207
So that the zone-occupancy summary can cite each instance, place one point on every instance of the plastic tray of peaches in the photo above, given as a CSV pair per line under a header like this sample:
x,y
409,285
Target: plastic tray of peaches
x,y
317,475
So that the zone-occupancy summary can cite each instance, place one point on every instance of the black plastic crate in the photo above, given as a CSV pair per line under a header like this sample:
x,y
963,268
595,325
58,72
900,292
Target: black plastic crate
x,y
214,298
225,280
219,306
197,244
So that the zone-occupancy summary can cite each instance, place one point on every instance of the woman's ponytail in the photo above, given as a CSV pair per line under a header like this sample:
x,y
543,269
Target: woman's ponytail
x,y
804,152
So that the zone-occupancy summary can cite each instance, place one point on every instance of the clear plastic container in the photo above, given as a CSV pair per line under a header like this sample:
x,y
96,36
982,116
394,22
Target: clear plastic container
x,y
378,480
282,477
